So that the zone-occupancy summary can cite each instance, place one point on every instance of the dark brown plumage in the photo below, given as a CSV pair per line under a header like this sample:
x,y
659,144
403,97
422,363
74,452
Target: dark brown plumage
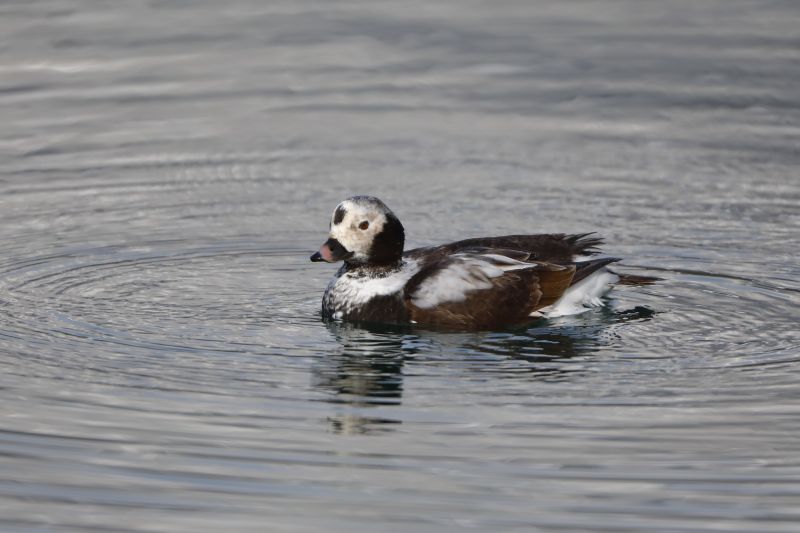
x,y
509,302
548,247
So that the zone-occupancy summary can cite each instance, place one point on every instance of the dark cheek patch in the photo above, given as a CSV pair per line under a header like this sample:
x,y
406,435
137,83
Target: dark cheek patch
x,y
339,214
387,246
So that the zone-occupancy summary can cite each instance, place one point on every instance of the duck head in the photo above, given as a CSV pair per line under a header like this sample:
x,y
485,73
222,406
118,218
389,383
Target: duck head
x,y
363,231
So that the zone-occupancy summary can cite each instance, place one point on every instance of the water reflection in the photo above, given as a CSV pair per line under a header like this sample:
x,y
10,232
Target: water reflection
x,y
368,369
366,374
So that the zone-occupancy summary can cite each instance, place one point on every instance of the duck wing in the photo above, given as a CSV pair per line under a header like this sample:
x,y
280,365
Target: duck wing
x,y
546,247
483,290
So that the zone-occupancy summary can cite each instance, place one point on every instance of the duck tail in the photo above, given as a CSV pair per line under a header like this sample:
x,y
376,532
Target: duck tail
x,y
584,243
584,269
631,279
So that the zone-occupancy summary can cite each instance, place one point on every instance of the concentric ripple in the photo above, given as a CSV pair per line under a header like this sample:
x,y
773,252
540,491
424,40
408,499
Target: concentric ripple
x,y
167,168
192,376
154,301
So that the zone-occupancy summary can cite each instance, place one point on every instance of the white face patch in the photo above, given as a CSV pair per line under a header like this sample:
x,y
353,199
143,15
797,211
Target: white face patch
x,y
352,232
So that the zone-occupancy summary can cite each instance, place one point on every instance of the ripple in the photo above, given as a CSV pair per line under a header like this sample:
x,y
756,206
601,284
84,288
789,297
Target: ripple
x,y
115,315
164,362
191,373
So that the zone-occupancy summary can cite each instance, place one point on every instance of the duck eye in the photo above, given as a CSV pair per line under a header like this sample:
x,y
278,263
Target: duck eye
x,y
363,225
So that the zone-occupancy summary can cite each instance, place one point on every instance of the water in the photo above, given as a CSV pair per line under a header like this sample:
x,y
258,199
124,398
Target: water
x,y
166,169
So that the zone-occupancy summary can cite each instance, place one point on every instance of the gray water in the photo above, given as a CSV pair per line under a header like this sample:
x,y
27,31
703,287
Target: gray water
x,y
166,169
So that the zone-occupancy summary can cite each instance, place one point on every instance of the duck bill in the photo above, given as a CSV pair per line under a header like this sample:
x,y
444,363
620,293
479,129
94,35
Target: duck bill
x,y
331,252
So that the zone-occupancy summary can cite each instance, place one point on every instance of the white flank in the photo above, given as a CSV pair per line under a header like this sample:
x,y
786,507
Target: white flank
x,y
582,296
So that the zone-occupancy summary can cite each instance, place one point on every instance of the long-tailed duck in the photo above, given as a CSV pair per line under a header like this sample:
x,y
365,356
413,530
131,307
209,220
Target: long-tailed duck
x,y
481,283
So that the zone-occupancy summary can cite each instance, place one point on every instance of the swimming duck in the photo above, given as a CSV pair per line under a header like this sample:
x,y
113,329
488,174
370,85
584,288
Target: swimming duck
x,y
479,283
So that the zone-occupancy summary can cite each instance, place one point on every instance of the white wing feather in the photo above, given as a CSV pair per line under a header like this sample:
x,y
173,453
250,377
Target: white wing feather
x,y
467,273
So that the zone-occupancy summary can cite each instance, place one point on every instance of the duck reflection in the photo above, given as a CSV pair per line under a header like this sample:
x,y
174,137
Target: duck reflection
x,y
366,374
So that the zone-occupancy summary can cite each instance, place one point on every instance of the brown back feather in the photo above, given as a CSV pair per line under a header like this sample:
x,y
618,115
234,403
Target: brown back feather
x,y
508,302
555,247
553,283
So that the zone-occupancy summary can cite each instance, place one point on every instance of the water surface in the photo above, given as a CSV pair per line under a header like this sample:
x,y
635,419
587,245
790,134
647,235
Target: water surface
x,y
166,169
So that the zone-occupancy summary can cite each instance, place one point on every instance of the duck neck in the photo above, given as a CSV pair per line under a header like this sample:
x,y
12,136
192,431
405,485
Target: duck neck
x,y
374,269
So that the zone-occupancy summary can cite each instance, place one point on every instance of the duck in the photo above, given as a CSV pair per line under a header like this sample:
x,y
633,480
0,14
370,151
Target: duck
x,y
473,284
